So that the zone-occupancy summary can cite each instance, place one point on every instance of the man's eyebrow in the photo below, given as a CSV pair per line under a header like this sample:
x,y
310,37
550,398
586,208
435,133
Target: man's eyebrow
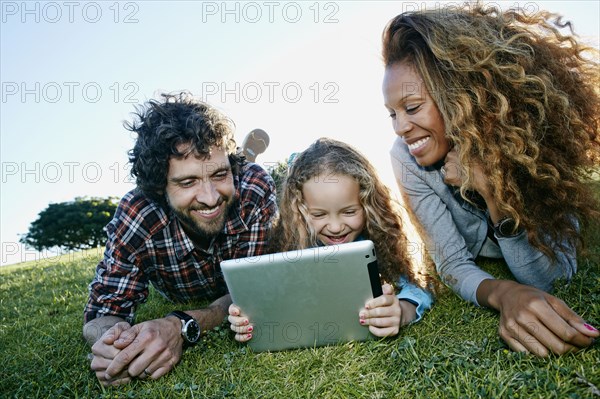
x,y
223,168
177,179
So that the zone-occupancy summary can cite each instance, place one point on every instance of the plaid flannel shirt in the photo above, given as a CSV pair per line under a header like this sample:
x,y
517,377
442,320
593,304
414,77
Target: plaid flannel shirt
x,y
147,244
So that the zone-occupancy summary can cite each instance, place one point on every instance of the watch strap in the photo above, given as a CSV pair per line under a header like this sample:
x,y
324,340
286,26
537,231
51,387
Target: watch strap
x,y
181,315
185,319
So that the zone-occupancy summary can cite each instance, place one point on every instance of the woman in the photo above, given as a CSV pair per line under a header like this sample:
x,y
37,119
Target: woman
x,y
497,116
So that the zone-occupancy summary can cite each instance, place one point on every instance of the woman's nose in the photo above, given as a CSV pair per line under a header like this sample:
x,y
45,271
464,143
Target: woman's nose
x,y
402,125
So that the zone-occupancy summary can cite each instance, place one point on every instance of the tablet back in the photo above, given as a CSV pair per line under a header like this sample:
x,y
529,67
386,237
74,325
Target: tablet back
x,y
305,298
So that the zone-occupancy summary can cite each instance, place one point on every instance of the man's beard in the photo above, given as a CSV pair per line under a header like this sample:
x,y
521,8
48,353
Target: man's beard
x,y
204,230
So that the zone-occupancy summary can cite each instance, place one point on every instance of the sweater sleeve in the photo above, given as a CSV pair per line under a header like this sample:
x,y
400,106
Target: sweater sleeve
x,y
532,267
416,295
443,240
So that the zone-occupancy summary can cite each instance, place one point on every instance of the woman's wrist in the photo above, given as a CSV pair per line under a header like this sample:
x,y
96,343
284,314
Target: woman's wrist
x,y
493,211
490,292
482,185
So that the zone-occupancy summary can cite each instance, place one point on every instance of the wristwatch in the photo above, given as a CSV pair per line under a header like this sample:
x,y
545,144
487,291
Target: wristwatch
x,y
190,329
506,227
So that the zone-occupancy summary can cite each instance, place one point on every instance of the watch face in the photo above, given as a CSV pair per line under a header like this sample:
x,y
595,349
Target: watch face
x,y
507,227
191,331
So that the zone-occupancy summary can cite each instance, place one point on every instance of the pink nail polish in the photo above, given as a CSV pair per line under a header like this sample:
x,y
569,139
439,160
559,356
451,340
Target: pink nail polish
x,y
249,336
250,329
589,327
362,321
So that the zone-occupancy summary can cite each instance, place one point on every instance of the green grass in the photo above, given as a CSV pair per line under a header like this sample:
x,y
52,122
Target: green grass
x,y
454,352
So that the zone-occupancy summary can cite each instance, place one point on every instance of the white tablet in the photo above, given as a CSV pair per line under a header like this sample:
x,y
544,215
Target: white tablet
x,y
305,298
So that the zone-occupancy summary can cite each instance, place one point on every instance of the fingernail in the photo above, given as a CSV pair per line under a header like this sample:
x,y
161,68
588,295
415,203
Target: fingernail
x,y
246,322
589,327
362,321
249,336
250,329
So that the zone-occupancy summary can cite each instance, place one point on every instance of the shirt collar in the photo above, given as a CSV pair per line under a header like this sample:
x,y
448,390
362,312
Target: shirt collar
x,y
181,242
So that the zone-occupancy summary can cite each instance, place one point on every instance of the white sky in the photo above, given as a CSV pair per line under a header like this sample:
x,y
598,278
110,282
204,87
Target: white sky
x,y
71,73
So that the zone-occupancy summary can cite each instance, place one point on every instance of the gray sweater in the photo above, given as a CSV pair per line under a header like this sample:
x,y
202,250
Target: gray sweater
x,y
455,233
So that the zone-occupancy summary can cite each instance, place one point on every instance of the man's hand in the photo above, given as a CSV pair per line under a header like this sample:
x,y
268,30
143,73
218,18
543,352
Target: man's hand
x,y
534,321
104,352
149,349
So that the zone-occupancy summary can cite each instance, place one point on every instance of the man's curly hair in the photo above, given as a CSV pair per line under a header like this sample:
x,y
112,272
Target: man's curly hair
x,y
165,125
519,96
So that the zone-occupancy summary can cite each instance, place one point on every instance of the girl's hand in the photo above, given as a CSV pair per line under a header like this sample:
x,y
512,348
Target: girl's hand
x,y
239,324
386,314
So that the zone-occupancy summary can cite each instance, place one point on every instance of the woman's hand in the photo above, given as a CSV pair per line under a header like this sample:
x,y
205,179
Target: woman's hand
x,y
239,324
534,321
386,314
453,176
451,170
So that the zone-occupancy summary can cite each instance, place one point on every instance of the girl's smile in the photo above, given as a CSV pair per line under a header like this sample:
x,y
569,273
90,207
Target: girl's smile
x,y
333,203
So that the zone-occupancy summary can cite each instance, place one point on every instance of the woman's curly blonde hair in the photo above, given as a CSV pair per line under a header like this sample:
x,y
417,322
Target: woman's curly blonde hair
x,y
326,158
521,98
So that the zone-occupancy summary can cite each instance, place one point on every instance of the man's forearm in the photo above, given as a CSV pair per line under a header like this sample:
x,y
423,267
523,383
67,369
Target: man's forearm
x,y
94,329
213,315
209,318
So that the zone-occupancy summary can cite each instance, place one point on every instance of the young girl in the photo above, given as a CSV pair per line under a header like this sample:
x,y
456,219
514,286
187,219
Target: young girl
x,y
332,196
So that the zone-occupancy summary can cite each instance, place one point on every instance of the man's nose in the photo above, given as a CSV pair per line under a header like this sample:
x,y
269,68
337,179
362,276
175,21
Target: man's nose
x,y
207,194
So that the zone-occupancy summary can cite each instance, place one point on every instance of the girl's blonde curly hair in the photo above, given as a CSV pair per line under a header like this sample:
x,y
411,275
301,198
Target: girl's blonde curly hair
x,y
327,158
519,96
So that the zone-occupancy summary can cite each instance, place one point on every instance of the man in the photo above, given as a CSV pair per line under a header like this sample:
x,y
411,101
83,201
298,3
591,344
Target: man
x,y
196,203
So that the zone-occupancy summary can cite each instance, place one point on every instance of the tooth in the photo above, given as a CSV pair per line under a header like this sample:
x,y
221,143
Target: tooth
x,y
207,211
418,143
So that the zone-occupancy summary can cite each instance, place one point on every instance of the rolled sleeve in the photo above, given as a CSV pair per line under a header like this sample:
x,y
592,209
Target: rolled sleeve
x,y
532,267
416,295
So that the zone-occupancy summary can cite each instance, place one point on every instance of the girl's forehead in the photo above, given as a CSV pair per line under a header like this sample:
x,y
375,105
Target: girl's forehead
x,y
330,178
329,185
